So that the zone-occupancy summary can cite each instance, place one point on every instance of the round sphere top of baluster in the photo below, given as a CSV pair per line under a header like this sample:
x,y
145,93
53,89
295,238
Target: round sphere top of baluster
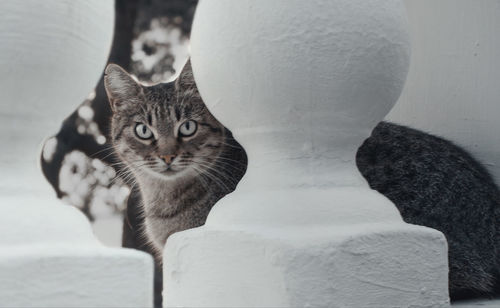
x,y
52,53
316,70
301,83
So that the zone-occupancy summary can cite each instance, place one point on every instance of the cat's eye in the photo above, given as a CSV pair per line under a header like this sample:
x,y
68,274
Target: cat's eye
x,y
188,128
143,132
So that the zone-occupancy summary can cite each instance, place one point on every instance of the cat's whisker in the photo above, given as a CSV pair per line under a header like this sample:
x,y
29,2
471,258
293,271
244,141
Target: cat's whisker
x,y
205,173
106,148
127,178
221,157
110,155
229,145
215,176
227,177
126,174
200,177
227,166
232,161
222,174
205,181
123,172
117,164
217,181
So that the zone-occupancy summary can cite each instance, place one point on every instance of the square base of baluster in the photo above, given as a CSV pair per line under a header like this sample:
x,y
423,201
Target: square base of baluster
x,y
358,265
66,275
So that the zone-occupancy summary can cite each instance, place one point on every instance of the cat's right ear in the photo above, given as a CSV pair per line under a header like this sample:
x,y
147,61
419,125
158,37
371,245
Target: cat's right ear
x,y
120,87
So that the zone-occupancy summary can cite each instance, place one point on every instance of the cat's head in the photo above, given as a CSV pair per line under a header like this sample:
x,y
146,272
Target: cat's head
x,y
163,130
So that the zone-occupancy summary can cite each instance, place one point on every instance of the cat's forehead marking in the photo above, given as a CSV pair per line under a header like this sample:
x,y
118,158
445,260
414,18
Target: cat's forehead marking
x,y
158,112
177,112
164,105
161,92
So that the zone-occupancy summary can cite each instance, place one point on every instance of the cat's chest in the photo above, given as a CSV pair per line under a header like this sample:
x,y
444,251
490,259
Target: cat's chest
x,y
169,199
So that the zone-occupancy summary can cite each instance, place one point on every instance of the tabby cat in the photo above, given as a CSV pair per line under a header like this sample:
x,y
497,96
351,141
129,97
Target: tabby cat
x,y
181,158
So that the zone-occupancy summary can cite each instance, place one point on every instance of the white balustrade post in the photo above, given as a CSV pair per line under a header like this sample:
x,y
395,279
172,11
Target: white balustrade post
x,y
52,53
301,84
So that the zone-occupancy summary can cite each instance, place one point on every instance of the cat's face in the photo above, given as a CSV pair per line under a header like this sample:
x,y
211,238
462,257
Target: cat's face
x,y
163,130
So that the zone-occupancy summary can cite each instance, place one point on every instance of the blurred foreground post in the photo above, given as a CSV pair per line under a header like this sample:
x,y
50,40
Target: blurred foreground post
x,y
301,84
53,52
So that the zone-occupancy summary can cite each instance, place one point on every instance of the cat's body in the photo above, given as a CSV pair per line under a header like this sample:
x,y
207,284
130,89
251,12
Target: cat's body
x,y
436,184
181,158
431,181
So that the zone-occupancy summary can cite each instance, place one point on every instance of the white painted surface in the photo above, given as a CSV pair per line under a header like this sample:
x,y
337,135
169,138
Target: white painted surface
x,y
30,222
301,90
52,53
453,87
74,276
50,258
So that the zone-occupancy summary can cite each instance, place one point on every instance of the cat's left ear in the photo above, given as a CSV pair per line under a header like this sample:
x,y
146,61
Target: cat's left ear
x,y
185,81
121,88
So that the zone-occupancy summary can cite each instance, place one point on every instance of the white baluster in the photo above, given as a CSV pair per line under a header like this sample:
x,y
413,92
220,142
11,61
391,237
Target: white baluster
x,y
52,53
301,84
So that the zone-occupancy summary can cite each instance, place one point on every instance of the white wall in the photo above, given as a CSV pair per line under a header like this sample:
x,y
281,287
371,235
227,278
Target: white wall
x,y
453,88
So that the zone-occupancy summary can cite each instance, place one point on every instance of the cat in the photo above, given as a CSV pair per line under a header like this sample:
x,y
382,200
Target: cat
x,y
181,158
435,183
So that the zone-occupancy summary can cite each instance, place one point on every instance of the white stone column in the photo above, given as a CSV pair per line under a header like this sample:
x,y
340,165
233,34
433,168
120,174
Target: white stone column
x,y
52,53
301,84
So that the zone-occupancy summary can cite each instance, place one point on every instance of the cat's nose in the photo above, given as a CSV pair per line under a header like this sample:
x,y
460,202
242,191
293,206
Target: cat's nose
x,y
168,159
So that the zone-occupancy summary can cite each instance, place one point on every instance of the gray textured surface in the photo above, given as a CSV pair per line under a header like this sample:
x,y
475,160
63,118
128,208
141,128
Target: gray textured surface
x,y
478,303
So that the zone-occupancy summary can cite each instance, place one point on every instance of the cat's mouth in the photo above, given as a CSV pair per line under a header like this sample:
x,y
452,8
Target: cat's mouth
x,y
162,171
165,171
169,170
